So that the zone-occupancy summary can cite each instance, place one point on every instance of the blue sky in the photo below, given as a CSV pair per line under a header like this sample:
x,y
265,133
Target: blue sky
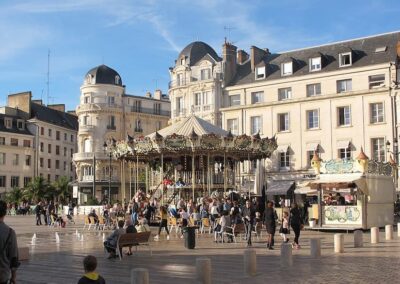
x,y
141,39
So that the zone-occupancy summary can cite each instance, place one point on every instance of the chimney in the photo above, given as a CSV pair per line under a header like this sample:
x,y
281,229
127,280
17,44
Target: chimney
x,y
157,94
242,56
229,60
21,101
59,107
398,48
256,54
148,95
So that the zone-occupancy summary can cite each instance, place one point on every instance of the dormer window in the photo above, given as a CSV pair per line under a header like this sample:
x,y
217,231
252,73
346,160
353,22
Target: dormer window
x,y
205,74
345,59
183,61
315,64
287,68
8,122
117,79
260,73
89,79
20,124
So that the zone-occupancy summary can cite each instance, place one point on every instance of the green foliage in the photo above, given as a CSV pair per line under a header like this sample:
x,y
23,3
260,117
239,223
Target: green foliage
x,y
62,189
14,196
36,189
92,201
39,189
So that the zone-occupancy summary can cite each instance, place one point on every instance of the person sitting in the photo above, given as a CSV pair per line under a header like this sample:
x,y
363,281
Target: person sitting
x,y
130,229
180,183
111,243
94,215
143,226
91,276
221,227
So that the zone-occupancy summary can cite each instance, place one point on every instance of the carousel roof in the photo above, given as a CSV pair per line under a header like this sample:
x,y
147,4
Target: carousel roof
x,y
188,125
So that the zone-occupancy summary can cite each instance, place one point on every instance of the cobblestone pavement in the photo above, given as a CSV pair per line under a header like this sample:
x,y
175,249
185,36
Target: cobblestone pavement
x,y
172,263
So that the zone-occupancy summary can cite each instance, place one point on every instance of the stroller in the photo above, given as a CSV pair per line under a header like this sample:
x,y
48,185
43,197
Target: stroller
x,y
70,219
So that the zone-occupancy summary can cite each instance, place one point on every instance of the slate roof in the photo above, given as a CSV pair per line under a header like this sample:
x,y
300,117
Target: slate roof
x,y
363,54
104,75
186,126
53,116
14,128
195,51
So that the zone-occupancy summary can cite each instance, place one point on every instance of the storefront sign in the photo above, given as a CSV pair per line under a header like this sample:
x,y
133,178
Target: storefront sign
x,y
342,215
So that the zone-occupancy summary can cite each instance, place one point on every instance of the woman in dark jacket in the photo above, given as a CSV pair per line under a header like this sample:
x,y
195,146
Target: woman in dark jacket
x,y
270,224
296,222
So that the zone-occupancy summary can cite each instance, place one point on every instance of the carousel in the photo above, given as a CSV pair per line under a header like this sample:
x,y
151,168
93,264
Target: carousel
x,y
192,159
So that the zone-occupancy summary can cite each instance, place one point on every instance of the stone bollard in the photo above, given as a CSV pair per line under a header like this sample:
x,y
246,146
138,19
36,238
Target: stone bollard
x,y
315,247
358,239
374,235
139,276
250,262
398,229
339,243
389,232
203,270
286,255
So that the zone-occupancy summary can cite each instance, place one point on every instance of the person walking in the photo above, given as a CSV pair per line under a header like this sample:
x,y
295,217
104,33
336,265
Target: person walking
x,y
163,222
8,249
249,214
296,222
38,212
270,224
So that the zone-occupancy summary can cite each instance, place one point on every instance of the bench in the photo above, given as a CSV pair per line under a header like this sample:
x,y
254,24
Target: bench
x,y
133,239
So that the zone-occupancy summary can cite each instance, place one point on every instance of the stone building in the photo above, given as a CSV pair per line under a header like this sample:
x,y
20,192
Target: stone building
x,y
332,99
106,112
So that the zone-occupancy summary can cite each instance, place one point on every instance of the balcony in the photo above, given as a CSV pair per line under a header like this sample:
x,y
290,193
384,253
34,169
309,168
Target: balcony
x,y
97,107
180,112
85,129
111,127
89,156
151,111
138,130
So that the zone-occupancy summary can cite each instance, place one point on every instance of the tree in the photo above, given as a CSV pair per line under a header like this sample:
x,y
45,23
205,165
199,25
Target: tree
x,y
62,189
15,195
36,189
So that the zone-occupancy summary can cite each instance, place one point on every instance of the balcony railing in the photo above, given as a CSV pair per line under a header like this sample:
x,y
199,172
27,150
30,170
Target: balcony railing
x,y
151,111
180,112
111,127
139,130
89,156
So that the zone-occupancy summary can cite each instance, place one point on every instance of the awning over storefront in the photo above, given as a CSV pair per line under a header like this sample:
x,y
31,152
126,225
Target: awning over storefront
x,y
312,146
283,148
339,182
280,188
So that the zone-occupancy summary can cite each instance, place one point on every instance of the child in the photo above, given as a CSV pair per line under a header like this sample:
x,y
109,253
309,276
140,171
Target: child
x,y
284,230
91,276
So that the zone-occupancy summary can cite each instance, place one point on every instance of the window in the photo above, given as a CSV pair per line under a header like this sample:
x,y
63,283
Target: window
x,y
86,100
182,61
71,152
65,166
41,162
87,146
179,80
28,160
205,74
138,106
378,149
15,160
48,177
255,126
49,132
110,101
376,81
111,122
14,181
57,135
117,79
344,153
345,59
8,122
344,86
257,97
312,119
284,94
2,158
138,126
260,72
65,137
57,164
27,181
3,181
65,151
2,141
313,90
14,142
27,143
315,64
41,130
86,120
283,122
20,124
56,177
49,148
206,98
344,116
377,114
49,163
57,150
284,160
287,68
197,99
157,108
41,147
233,125
234,100
72,138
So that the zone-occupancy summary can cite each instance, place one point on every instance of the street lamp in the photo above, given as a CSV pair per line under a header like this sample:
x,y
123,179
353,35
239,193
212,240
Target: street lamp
x,y
108,149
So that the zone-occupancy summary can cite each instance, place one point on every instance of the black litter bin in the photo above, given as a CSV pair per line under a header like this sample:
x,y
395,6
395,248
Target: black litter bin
x,y
189,234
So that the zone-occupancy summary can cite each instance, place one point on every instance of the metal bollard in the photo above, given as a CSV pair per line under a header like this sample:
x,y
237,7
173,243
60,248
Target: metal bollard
x,y
358,239
286,255
374,235
339,243
389,232
203,270
139,276
250,262
315,247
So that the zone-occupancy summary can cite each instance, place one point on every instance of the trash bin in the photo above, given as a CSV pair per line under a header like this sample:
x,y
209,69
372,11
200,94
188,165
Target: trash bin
x,y
189,234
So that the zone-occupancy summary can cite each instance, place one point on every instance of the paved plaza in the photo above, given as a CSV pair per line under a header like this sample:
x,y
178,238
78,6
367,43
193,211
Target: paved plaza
x,y
52,262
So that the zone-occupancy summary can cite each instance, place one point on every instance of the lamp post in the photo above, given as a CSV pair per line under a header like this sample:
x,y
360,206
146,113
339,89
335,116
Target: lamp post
x,y
108,150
